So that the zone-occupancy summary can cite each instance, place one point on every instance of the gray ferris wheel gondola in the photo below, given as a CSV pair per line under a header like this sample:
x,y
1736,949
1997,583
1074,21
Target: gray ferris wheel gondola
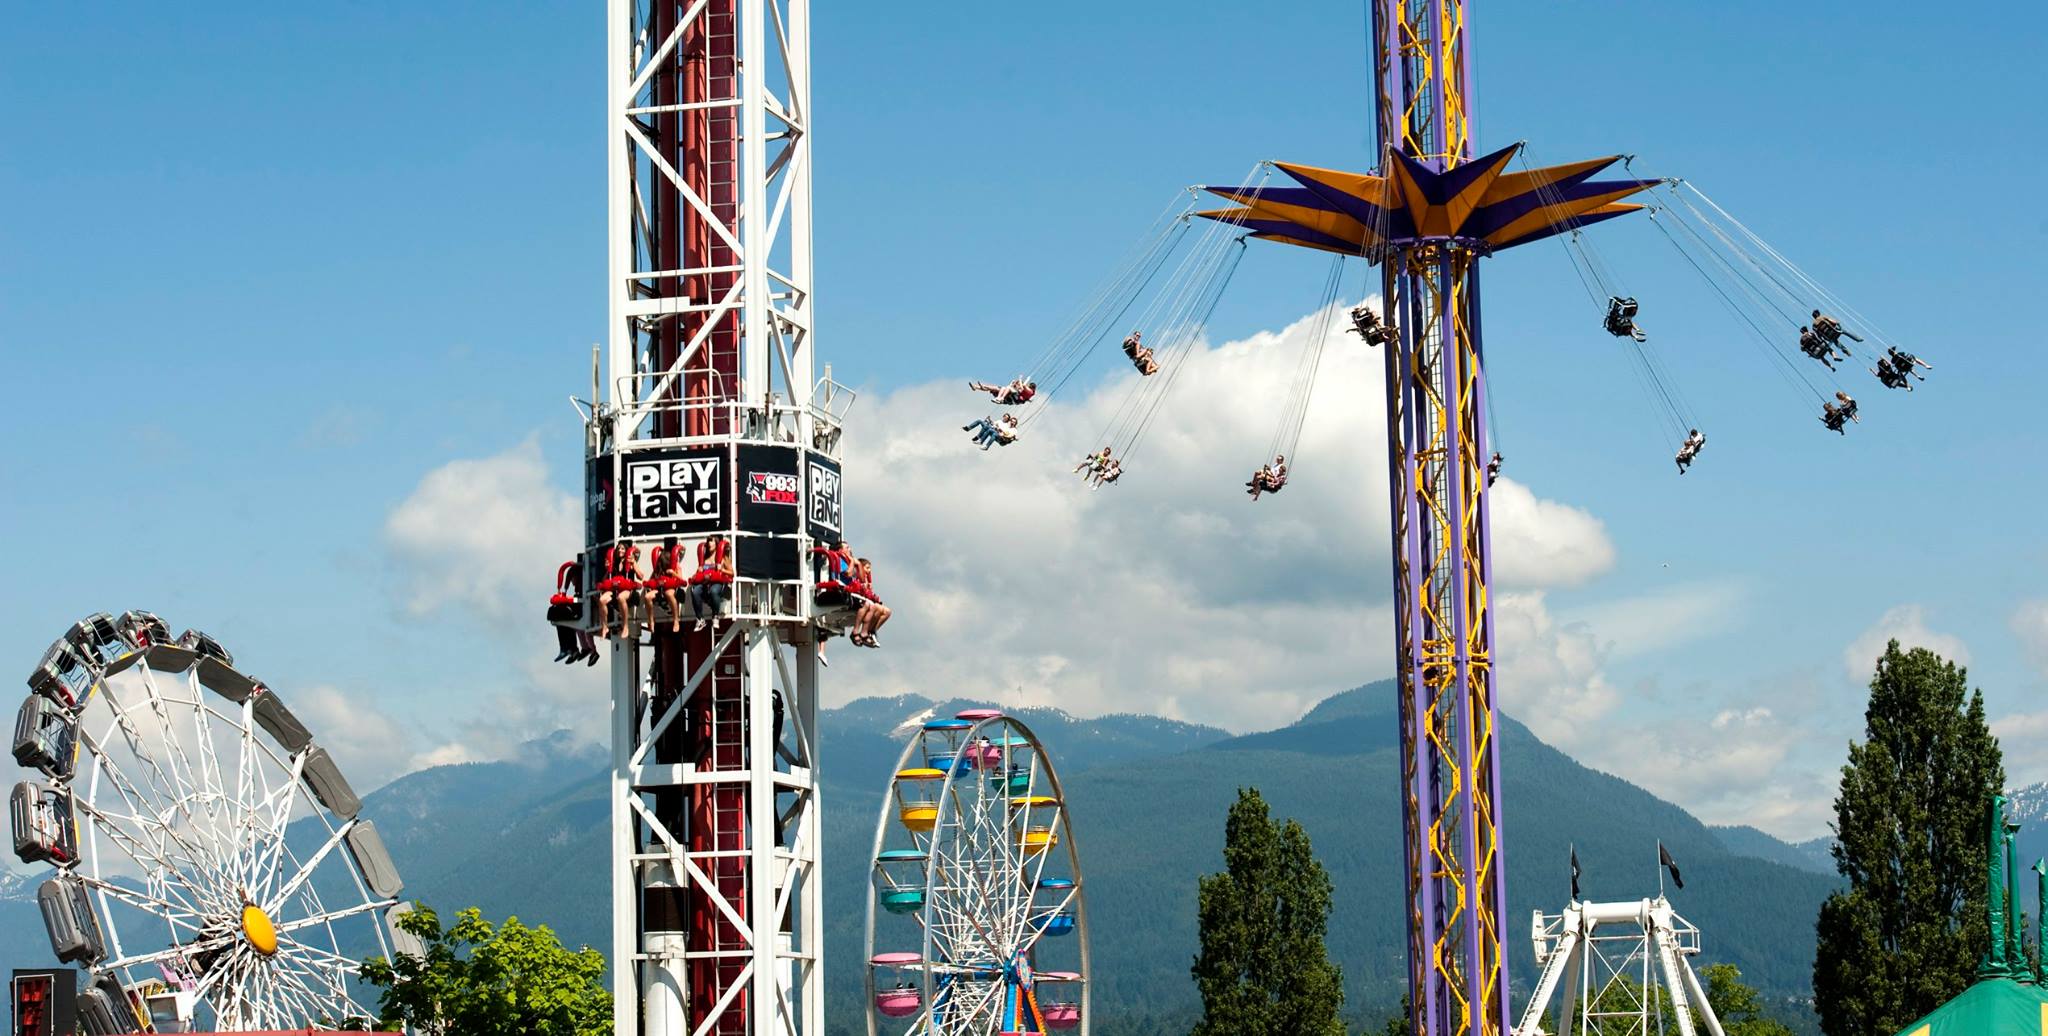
x,y
976,925
210,863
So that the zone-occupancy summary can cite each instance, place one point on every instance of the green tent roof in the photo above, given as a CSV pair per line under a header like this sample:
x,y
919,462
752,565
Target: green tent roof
x,y
1993,1007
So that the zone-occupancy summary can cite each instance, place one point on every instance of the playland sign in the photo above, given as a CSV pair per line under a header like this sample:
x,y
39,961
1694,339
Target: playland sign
x,y
673,492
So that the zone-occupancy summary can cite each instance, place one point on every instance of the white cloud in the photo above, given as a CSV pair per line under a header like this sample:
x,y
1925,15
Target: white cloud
x,y
1551,673
1169,593
368,744
1544,543
1663,619
2023,737
483,535
1906,623
480,539
2029,623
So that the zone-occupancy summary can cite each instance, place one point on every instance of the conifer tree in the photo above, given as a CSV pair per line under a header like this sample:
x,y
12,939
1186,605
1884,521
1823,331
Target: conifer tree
x,y
1907,933
1263,969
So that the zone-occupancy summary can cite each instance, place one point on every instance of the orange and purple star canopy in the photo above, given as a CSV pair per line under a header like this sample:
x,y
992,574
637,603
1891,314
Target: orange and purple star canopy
x,y
1478,201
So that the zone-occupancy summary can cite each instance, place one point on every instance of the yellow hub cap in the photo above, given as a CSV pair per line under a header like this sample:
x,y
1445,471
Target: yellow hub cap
x,y
256,928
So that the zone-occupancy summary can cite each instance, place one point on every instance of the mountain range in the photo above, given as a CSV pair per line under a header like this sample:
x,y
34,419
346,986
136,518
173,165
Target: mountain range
x,y
528,836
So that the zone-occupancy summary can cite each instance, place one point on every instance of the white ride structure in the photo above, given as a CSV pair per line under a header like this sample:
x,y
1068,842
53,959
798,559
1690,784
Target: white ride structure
x,y
1614,969
973,845
213,870
710,430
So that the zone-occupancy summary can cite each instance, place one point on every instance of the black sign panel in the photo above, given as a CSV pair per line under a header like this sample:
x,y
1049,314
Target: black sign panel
x,y
600,498
674,492
769,488
761,557
822,509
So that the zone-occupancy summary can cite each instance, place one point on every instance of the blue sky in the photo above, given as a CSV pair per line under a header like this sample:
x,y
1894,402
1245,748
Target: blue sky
x,y
265,269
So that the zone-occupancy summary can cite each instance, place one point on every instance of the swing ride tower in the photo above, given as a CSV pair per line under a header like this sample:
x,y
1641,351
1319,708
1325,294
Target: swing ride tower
x,y
708,423
1426,217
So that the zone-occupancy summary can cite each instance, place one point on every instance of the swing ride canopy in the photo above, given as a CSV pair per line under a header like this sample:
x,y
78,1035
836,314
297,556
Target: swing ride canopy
x,y
1478,201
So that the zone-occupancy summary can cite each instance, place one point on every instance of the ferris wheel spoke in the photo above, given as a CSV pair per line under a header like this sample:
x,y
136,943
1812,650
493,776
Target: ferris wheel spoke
x,y
209,759
330,916
175,749
171,912
311,993
158,869
134,797
267,862
169,953
306,869
164,797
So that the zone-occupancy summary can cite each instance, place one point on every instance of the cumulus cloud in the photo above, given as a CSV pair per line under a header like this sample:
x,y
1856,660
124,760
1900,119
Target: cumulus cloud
x,y
1906,623
1544,543
478,539
1168,593
474,533
1552,673
2029,623
2024,739
368,744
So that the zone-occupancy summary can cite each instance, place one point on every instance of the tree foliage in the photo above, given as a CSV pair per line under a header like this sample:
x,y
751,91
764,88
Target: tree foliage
x,y
1907,933
1739,1007
476,979
1263,969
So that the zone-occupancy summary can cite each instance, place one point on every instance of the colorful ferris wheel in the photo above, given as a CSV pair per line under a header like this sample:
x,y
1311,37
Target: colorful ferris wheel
x,y
977,925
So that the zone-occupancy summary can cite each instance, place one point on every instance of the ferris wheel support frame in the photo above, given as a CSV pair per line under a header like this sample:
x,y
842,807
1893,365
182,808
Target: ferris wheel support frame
x,y
716,926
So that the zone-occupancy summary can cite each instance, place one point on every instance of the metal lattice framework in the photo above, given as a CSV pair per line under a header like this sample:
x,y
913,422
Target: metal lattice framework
x,y
1618,969
210,857
974,847
715,891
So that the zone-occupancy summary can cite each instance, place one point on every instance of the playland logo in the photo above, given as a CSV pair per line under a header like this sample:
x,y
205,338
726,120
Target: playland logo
x,y
772,487
667,489
824,496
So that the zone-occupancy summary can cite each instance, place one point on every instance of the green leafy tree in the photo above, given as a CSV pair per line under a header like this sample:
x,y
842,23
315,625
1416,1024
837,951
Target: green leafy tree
x,y
1400,1024
1907,933
479,980
1739,1007
1263,969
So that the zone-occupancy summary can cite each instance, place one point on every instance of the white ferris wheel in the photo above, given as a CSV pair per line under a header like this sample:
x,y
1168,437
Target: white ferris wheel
x,y
976,925
210,868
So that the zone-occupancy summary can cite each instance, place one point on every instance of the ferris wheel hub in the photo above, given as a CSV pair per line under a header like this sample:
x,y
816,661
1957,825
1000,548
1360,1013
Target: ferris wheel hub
x,y
258,930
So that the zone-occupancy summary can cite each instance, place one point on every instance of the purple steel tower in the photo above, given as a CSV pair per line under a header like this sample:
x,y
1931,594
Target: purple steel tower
x,y
1426,217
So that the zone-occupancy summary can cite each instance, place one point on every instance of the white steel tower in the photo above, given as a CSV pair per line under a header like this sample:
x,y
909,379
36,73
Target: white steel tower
x,y
712,432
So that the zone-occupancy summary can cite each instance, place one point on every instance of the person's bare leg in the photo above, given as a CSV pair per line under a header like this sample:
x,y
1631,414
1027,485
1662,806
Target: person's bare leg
x,y
604,614
647,607
675,610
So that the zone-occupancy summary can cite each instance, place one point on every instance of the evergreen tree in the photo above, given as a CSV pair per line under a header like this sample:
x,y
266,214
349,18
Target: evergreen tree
x,y
1739,1007
476,979
1907,934
1400,1024
1263,969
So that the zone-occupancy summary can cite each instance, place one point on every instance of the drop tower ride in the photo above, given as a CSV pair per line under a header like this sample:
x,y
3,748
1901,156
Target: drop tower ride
x,y
712,424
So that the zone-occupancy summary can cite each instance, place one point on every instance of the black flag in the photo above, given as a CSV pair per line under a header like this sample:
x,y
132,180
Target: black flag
x,y
1575,873
1664,857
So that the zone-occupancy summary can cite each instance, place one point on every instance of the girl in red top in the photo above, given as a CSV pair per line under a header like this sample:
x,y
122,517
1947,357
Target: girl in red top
x,y
708,588
666,579
872,612
622,577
